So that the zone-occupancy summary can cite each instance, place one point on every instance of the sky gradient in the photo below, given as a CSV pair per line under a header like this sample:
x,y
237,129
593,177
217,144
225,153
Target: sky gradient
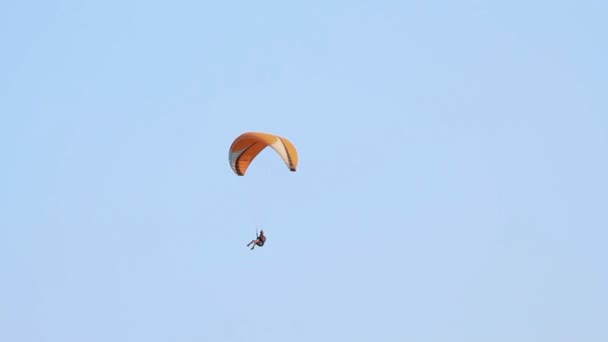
x,y
452,183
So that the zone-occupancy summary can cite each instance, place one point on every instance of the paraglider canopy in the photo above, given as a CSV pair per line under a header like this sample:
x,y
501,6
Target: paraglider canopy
x,y
248,145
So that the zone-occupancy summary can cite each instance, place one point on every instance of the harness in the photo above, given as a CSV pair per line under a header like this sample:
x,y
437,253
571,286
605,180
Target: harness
x,y
261,240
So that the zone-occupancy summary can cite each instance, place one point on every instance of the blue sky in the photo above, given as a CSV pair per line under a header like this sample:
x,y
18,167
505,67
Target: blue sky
x,y
451,187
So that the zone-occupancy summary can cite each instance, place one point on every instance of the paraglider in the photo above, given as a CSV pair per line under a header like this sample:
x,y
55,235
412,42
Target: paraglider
x,y
249,145
259,240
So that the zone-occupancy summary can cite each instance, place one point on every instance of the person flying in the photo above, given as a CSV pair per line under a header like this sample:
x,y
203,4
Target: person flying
x,y
259,241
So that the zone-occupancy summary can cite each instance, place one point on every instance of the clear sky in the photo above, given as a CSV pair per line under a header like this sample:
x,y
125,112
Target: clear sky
x,y
452,183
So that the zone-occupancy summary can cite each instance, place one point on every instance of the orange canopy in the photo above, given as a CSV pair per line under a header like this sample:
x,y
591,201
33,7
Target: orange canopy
x,y
248,145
